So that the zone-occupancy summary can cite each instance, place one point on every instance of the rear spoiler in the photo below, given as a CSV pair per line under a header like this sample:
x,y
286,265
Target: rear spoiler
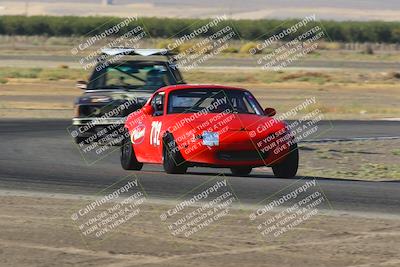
x,y
115,51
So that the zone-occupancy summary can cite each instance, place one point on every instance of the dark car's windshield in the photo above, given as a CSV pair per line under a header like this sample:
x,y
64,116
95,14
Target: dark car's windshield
x,y
132,76
213,101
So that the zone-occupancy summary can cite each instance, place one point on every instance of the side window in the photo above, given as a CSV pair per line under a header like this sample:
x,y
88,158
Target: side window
x,y
158,104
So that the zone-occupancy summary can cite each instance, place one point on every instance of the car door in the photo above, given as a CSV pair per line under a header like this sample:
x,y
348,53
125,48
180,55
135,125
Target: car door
x,y
151,149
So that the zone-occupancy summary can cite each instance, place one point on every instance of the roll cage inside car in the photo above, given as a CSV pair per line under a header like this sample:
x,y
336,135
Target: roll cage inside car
x,y
114,58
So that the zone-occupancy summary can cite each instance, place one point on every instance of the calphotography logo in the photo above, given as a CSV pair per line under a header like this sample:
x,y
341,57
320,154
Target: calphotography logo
x,y
288,46
201,208
103,131
115,206
124,33
289,208
205,42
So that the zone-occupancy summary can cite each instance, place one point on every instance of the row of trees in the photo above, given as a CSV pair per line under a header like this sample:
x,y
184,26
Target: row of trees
x,y
347,31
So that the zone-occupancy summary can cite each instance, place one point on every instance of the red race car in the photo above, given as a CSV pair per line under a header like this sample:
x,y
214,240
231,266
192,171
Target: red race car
x,y
185,126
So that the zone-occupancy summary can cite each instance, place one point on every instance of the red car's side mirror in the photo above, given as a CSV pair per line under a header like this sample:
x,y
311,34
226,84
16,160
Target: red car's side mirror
x,y
148,110
270,112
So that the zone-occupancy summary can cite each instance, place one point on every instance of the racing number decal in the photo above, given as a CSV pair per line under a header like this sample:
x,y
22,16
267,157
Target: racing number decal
x,y
155,133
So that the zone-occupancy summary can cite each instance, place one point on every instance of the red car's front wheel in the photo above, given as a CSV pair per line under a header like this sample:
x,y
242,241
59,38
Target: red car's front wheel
x,y
173,161
241,171
288,167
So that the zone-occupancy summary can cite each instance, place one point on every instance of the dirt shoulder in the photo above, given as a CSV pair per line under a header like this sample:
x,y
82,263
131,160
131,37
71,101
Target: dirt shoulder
x,y
38,231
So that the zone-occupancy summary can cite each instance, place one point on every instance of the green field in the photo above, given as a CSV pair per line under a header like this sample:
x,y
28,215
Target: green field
x,y
347,31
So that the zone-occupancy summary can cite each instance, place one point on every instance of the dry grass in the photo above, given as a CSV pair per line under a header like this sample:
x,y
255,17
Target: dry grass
x,y
350,95
363,160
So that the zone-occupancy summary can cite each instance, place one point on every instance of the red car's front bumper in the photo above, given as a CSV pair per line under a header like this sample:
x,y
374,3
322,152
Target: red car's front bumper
x,y
232,152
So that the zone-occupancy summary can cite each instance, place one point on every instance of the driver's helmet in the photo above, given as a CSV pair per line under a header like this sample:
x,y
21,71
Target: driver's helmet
x,y
155,78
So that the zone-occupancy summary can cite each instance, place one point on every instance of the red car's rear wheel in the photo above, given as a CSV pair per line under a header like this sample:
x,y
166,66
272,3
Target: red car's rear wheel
x,y
128,157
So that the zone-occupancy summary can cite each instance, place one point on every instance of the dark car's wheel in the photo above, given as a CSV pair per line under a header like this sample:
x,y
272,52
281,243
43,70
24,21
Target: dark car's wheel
x,y
173,161
128,157
80,140
241,171
288,167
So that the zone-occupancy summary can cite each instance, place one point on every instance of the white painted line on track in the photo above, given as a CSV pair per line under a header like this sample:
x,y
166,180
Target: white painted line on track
x,y
377,138
390,119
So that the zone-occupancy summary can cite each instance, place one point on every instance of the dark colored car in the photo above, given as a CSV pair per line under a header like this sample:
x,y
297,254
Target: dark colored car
x,y
116,88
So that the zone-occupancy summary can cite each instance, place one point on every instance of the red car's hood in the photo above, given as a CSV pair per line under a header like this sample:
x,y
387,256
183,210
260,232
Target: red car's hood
x,y
231,121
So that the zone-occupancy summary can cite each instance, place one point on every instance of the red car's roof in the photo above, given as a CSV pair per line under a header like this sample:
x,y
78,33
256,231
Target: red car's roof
x,y
194,86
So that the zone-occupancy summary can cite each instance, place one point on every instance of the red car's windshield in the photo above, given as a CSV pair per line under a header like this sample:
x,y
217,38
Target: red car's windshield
x,y
213,101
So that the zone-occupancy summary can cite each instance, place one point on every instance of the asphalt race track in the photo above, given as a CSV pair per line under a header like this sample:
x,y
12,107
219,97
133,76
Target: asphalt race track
x,y
38,155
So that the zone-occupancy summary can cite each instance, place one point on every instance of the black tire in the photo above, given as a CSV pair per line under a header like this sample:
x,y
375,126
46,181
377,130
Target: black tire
x,y
241,171
288,167
128,157
173,161
85,140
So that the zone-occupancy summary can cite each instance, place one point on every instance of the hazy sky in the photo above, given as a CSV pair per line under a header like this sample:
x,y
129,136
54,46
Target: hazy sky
x,y
324,9
364,4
